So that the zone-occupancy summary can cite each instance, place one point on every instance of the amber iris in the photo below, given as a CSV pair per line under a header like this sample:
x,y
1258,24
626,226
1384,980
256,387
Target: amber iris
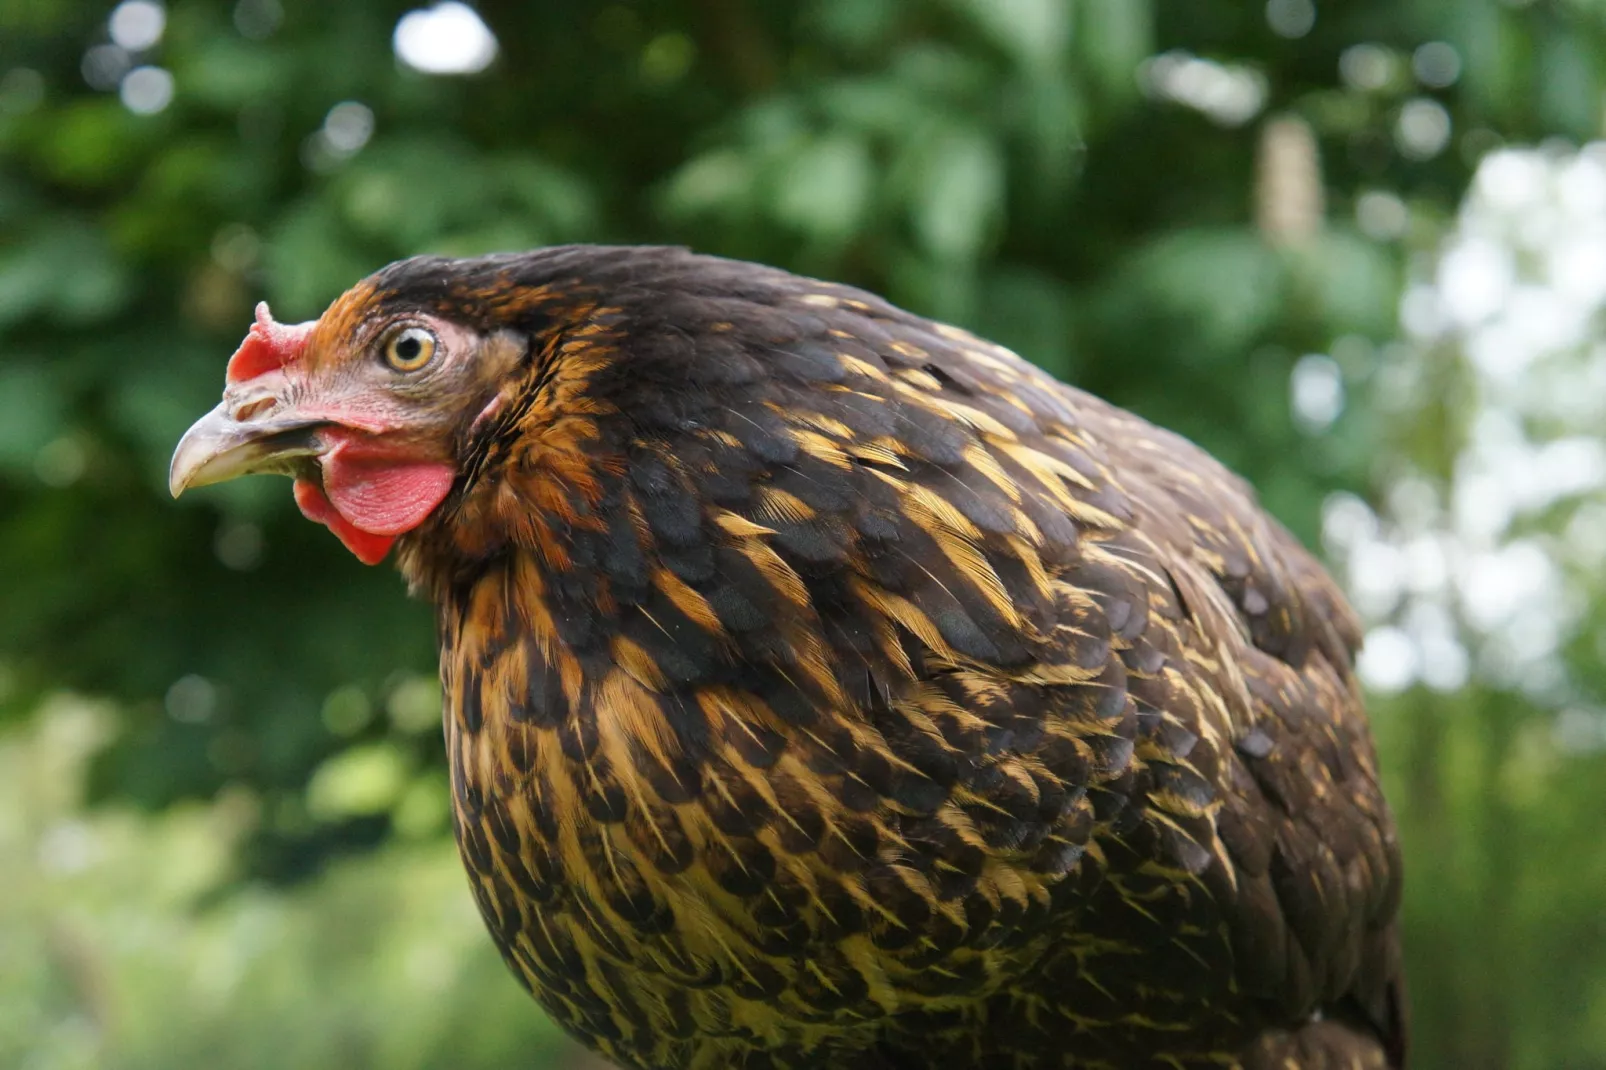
x,y
410,348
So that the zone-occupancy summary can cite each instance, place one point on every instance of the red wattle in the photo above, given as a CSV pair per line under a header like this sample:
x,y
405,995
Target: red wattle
x,y
370,495
384,496
367,547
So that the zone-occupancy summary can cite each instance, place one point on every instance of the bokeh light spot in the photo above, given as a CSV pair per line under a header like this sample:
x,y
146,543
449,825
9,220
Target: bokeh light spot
x,y
146,90
104,66
414,705
1381,215
137,24
1367,67
239,545
1229,95
347,711
1388,661
1423,129
446,38
1316,392
1436,64
191,700
348,126
1290,18
61,462
257,19
667,58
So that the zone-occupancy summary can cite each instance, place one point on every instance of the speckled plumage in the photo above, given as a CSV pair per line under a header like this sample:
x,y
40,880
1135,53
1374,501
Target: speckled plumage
x,y
827,687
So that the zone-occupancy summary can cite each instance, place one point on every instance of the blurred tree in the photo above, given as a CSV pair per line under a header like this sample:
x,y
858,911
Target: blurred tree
x,y
1202,210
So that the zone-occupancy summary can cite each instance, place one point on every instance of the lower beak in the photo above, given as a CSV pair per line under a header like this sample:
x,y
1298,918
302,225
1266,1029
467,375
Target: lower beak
x,y
219,447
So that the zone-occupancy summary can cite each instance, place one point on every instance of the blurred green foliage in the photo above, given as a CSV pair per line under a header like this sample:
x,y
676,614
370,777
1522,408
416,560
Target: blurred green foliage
x,y
1027,168
119,952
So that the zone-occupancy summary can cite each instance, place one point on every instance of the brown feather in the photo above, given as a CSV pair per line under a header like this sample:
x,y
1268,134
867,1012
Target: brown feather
x,y
829,687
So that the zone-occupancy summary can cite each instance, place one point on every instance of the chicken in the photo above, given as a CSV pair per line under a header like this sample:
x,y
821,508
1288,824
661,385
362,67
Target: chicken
x,y
828,687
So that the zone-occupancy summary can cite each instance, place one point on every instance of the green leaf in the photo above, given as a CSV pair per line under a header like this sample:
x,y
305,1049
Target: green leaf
x,y
357,782
1358,281
1219,287
31,411
93,143
960,194
1569,89
229,72
64,268
1034,32
713,183
825,188
1112,38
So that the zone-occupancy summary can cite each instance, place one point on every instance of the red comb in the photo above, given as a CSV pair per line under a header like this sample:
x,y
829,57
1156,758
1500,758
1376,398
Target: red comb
x,y
268,345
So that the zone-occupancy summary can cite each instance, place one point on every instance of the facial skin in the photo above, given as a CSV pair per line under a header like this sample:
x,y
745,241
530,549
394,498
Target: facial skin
x,y
363,408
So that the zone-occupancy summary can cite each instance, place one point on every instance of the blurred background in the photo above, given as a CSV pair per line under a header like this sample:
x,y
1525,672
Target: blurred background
x,y
1357,250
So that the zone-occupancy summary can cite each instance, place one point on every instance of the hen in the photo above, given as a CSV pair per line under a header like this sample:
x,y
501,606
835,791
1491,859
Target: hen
x,y
828,687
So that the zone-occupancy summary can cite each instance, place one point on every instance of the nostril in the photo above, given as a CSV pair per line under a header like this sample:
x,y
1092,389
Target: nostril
x,y
254,408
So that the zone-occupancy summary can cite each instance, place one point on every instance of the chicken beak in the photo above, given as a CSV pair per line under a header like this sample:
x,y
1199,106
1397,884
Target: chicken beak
x,y
220,447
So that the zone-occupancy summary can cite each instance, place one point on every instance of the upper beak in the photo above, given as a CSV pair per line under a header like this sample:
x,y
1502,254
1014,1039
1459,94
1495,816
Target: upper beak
x,y
219,447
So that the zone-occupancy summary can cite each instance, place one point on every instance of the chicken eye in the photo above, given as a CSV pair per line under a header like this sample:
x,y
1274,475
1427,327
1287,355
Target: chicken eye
x,y
410,349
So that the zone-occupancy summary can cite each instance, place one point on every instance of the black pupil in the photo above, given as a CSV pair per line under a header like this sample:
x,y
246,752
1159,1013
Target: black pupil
x,y
407,348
